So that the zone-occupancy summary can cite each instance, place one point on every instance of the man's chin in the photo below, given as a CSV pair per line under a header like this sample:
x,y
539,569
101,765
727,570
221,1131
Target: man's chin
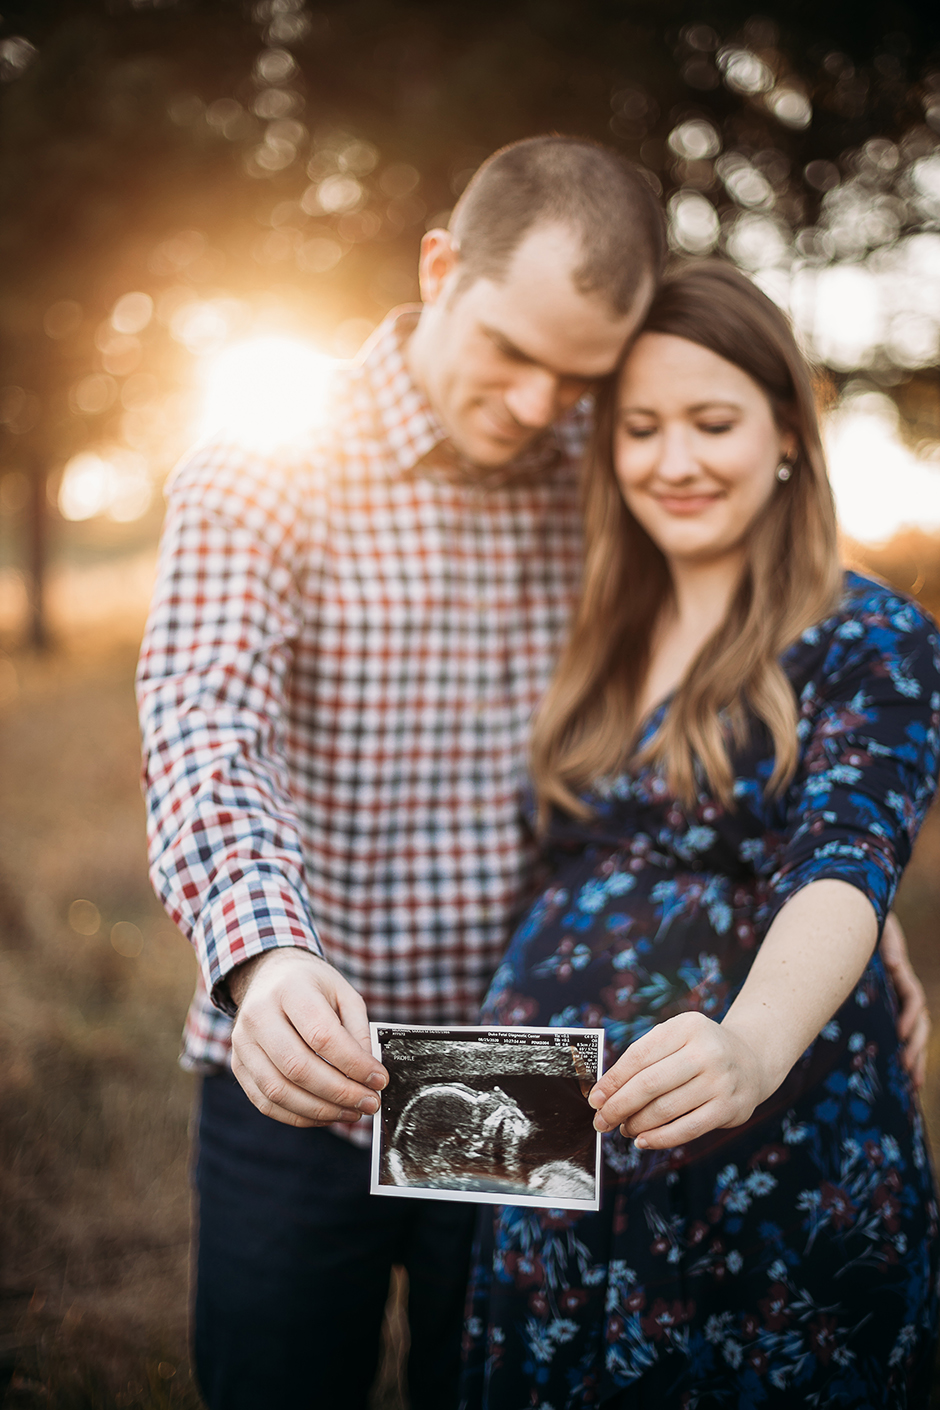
x,y
490,452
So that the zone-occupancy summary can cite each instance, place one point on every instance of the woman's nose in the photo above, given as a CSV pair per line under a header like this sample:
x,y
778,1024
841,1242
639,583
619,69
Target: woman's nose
x,y
676,461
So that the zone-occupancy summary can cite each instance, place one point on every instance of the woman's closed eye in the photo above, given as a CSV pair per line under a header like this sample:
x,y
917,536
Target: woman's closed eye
x,y
639,433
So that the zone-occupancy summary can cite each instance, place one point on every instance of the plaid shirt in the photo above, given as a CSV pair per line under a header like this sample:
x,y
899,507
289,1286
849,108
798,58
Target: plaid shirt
x,y
345,647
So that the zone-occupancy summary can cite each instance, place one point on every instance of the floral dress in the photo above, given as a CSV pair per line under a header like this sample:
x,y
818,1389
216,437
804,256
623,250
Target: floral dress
x,y
793,1260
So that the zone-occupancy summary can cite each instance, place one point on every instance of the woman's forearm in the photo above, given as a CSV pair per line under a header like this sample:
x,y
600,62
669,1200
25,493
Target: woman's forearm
x,y
811,958
689,1075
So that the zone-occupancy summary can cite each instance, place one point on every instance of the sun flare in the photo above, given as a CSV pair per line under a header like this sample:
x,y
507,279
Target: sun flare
x,y
266,392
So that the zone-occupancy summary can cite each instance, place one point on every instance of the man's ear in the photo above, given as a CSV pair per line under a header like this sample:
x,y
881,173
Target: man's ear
x,y
437,262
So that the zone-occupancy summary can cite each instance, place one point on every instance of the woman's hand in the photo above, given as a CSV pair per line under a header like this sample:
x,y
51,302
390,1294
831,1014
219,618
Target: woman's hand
x,y
913,1014
687,1076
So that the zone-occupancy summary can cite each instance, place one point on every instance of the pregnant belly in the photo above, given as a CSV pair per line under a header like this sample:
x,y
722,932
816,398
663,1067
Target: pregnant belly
x,y
607,945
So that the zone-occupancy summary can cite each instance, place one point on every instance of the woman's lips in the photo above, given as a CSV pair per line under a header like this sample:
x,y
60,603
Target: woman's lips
x,y
685,504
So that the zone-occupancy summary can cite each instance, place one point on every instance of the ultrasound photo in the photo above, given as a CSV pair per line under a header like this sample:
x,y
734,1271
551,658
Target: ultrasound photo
x,y
493,1115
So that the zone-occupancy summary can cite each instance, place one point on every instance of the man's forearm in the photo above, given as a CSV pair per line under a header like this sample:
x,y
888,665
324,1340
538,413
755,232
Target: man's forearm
x,y
227,856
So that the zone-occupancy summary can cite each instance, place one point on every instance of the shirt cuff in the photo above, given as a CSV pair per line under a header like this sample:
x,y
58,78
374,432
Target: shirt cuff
x,y
250,916
836,862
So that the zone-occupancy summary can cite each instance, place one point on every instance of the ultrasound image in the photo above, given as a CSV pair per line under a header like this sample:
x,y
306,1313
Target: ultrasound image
x,y
500,1118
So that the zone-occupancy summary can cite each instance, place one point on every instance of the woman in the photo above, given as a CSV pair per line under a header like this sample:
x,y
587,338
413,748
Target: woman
x,y
731,767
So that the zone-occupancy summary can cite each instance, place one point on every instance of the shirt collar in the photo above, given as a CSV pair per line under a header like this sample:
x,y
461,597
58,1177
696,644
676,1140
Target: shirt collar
x,y
412,434
407,426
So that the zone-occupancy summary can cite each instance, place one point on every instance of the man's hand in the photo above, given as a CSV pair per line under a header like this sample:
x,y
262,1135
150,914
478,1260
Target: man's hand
x,y
913,1016
300,1046
687,1076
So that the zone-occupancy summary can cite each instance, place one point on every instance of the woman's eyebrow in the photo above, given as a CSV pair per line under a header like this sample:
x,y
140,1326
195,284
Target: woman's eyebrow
x,y
717,404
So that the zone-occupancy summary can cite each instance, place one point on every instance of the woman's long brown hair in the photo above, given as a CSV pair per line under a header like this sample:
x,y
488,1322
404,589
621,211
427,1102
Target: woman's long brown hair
x,y
585,730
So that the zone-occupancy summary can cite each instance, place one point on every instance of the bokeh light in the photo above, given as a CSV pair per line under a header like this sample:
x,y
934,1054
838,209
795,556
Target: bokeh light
x,y
744,71
84,917
116,485
132,313
62,318
791,107
695,139
693,223
127,939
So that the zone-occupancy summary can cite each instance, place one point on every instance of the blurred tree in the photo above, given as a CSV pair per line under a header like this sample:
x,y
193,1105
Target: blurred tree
x,y
172,173
92,168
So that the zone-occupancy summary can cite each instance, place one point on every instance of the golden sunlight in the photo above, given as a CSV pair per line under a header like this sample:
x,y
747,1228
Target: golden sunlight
x,y
880,485
265,392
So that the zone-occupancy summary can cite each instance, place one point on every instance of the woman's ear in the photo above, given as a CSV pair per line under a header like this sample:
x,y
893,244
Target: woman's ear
x,y
437,262
789,445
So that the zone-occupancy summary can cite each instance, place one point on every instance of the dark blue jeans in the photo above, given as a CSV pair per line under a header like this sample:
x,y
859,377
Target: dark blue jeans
x,y
293,1264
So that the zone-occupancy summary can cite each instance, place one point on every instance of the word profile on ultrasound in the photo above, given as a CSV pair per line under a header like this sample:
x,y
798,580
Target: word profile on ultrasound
x,y
489,1115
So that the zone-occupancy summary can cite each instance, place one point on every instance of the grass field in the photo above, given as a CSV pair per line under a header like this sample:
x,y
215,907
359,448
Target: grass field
x,y
94,1112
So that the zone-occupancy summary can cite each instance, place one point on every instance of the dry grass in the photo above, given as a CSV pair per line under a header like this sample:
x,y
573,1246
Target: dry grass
x,y
93,1109
94,1112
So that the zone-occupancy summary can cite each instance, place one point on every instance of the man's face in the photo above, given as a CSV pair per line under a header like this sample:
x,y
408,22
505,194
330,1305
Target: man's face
x,y
500,362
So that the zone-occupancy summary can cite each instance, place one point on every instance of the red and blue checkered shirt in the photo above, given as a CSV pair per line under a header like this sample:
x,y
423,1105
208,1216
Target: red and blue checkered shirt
x,y
345,647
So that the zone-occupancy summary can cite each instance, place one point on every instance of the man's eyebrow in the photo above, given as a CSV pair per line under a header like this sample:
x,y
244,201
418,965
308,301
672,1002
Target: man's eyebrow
x,y
507,346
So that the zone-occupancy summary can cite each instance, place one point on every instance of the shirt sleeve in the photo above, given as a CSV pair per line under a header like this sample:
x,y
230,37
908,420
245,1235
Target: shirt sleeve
x,y
225,849
870,739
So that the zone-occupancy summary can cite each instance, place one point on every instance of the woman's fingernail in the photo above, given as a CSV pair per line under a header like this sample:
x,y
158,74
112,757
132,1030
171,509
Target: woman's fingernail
x,y
369,1105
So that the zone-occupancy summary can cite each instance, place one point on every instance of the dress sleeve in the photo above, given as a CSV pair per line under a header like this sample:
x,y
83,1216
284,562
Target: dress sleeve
x,y
225,848
870,739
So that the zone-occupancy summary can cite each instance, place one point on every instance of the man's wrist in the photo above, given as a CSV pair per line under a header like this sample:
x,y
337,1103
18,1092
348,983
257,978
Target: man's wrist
x,y
240,978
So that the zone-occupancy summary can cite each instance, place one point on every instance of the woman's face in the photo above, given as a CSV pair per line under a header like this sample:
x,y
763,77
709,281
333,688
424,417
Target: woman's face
x,y
696,448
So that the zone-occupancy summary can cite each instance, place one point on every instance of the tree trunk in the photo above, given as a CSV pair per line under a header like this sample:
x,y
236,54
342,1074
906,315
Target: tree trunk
x,y
37,530
14,932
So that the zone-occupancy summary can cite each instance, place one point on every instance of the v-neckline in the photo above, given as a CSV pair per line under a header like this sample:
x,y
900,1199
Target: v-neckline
x,y
654,713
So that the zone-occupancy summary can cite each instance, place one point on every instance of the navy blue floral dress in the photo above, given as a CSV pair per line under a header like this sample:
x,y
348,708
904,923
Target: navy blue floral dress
x,y
794,1260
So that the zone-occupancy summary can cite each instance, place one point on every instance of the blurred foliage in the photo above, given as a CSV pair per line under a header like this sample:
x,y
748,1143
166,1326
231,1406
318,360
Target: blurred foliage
x,y
273,165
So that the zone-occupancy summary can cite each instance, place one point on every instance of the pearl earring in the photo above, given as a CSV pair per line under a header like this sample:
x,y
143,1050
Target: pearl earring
x,y
784,470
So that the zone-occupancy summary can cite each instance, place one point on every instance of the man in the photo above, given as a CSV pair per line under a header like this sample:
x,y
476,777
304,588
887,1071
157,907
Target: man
x,y
345,646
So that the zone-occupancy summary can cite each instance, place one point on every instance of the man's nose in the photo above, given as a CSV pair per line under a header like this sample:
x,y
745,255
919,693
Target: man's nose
x,y
533,398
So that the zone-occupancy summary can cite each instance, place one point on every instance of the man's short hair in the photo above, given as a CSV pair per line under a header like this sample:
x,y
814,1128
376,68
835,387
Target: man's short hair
x,y
605,200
